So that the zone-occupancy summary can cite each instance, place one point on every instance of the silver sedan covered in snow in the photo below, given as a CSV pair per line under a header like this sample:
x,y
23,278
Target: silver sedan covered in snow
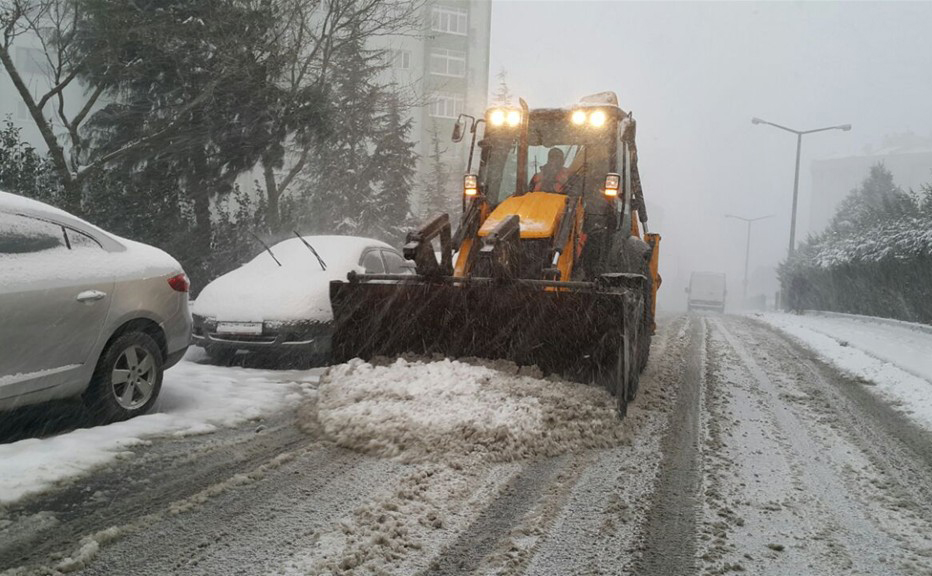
x,y
84,313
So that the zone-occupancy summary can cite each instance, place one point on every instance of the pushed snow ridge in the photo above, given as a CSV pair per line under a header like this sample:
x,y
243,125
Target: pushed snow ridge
x,y
414,410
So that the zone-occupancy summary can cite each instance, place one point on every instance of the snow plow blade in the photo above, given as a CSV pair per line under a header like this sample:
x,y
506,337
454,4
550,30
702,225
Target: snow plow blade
x,y
576,329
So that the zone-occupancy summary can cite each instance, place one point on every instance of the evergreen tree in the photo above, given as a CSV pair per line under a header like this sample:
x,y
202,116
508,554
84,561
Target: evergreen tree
x,y
395,162
440,193
193,79
502,95
877,199
23,170
343,181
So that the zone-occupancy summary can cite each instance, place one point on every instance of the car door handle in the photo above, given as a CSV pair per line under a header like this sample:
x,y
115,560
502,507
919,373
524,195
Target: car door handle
x,y
91,296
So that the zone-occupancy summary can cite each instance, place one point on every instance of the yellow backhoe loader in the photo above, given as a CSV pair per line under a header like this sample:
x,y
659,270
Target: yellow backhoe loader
x,y
554,265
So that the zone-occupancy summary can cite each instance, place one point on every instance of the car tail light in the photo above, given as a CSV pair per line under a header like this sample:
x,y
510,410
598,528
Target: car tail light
x,y
179,283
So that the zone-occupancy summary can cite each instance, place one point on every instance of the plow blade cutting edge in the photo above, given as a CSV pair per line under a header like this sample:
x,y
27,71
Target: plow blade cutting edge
x,y
583,331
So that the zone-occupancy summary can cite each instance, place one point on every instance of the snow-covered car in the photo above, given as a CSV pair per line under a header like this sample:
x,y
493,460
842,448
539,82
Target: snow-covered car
x,y
279,302
85,313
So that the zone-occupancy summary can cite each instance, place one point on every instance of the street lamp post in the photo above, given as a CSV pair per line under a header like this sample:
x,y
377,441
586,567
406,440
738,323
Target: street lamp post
x,y
799,144
747,247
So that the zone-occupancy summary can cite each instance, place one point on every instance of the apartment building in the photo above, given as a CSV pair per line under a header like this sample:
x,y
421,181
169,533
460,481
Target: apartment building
x,y
444,70
907,156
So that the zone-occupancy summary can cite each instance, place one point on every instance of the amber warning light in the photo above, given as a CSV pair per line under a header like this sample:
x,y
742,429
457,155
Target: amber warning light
x,y
470,185
612,184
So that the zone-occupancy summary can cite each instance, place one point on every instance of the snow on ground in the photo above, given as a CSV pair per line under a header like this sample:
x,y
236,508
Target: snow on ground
x,y
417,409
895,356
195,399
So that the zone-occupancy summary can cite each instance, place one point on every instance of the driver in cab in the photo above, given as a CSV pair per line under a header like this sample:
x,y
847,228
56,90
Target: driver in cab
x,y
552,176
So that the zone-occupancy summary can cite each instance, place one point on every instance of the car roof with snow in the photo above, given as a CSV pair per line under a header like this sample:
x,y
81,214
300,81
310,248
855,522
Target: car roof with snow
x,y
17,204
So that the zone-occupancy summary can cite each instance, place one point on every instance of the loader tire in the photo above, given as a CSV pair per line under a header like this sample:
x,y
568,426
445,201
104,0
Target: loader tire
x,y
636,356
647,320
622,374
616,377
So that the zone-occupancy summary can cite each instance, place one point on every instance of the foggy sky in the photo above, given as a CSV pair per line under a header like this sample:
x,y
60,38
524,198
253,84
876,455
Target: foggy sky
x,y
695,73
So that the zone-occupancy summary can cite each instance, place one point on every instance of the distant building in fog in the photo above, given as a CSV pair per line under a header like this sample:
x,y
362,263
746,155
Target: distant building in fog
x,y
445,68
907,156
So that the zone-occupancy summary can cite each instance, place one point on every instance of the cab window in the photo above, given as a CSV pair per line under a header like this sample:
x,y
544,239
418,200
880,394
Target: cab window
x,y
499,173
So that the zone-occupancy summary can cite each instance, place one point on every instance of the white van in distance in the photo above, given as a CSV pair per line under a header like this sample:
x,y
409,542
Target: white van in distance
x,y
706,291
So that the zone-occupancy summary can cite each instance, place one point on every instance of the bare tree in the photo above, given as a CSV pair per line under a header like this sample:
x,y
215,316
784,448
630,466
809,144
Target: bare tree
x,y
314,31
502,95
62,105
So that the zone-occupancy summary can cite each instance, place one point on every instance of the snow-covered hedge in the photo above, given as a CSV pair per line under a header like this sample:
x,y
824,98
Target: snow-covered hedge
x,y
901,240
875,257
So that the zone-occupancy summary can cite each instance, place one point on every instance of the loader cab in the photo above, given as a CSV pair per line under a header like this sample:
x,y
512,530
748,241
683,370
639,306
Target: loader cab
x,y
513,152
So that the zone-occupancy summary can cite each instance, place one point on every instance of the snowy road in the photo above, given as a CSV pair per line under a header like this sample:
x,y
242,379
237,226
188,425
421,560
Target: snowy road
x,y
744,452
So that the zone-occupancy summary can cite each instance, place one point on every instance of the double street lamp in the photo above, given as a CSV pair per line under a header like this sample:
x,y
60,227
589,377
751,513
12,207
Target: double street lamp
x,y
799,143
747,246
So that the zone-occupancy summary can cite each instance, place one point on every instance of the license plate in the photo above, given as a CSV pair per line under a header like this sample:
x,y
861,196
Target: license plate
x,y
239,328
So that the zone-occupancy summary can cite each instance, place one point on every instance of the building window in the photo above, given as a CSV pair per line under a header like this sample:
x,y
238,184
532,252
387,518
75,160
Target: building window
x,y
448,63
445,105
448,20
401,59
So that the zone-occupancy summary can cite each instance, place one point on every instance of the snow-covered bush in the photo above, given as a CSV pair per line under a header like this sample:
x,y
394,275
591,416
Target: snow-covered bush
x,y
874,258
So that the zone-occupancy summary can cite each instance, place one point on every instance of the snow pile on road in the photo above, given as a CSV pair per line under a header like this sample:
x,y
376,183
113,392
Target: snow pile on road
x,y
895,356
414,410
195,399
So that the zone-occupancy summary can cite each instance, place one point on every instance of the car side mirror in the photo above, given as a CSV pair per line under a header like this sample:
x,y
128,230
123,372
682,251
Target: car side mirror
x,y
459,129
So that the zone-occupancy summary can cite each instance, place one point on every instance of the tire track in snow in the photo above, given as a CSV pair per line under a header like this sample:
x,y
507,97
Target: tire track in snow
x,y
253,528
864,544
599,528
895,442
670,546
465,554
758,514
166,471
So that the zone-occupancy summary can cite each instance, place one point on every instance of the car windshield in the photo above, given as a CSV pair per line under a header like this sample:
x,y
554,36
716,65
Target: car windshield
x,y
338,252
444,287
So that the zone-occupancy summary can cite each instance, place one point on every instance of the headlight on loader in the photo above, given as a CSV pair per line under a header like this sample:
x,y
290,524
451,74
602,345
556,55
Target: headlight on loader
x,y
597,119
504,116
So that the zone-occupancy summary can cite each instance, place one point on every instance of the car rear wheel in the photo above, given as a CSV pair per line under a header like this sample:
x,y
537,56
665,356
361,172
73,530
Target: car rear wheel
x,y
127,379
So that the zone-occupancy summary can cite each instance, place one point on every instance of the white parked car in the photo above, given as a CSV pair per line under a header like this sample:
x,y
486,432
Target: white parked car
x,y
279,302
84,313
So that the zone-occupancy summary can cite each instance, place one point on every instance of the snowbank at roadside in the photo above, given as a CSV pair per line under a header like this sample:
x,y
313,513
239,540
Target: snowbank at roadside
x,y
413,410
195,399
895,356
